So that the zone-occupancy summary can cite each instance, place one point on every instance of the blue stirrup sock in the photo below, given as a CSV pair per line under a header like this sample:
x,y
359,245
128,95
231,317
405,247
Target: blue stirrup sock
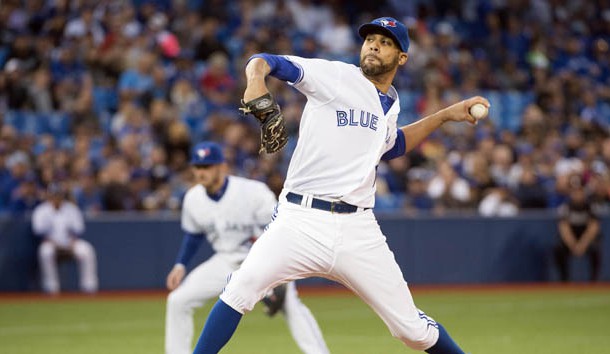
x,y
219,327
444,344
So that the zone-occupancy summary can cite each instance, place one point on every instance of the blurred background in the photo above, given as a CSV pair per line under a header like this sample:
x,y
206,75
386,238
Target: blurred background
x,y
107,97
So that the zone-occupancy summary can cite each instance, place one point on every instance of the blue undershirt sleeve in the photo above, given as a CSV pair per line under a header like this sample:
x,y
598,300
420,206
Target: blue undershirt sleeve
x,y
190,245
398,149
281,68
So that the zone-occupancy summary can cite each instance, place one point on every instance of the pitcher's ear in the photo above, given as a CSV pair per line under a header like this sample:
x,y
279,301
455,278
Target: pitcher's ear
x,y
402,59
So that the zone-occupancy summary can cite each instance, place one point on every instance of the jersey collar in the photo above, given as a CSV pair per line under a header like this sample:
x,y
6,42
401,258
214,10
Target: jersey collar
x,y
386,101
216,196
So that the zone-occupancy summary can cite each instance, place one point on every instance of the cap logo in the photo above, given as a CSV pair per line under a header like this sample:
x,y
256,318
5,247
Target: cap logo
x,y
202,153
387,23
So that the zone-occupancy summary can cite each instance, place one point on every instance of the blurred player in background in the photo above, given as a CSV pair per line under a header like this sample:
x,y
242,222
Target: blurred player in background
x,y
60,224
324,224
231,212
579,232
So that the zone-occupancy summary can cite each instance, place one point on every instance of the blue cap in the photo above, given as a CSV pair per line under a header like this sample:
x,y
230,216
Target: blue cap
x,y
207,153
389,26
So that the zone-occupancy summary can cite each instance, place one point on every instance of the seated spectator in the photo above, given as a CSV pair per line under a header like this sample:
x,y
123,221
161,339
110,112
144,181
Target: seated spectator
x,y
18,167
186,99
40,91
135,83
336,38
60,224
498,202
160,172
476,171
14,87
392,176
217,82
84,25
208,42
25,197
114,179
448,189
177,142
166,42
565,168
579,232
391,184
530,192
501,163
87,193
139,187
600,193
417,198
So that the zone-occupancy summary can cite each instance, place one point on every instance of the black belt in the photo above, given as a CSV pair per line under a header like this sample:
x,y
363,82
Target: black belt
x,y
333,207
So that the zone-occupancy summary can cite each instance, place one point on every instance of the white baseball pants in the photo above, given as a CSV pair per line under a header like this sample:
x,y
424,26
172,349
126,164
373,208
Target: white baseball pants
x,y
205,282
349,248
86,259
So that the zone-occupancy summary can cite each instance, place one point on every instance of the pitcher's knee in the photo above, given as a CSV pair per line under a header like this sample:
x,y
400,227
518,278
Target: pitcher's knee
x,y
243,292
249,283
417,340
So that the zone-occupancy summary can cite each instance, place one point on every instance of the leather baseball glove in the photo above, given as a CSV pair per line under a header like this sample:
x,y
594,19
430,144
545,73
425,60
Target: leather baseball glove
x,y
273,129
274,301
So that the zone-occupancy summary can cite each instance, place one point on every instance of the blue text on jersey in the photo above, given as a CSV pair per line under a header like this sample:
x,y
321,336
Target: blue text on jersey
x,y
367,119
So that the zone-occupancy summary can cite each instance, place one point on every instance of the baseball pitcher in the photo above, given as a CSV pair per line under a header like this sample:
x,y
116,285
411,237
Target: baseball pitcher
x,y
324,225
231,212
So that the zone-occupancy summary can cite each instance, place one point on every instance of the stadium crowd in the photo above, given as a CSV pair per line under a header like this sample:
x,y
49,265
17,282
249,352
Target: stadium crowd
x,y
108,96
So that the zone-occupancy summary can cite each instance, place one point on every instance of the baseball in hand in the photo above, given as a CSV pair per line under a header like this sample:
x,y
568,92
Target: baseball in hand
x,y
478,111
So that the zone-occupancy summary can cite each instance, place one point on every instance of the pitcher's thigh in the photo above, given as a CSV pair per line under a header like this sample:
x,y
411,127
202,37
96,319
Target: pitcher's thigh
x,y
278,256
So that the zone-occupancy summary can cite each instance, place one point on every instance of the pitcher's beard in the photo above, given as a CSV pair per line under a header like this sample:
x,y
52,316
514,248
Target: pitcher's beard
x,y
372,70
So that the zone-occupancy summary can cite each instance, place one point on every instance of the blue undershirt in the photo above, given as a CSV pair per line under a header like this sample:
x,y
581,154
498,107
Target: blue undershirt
x,y
398,149
281,68
190,245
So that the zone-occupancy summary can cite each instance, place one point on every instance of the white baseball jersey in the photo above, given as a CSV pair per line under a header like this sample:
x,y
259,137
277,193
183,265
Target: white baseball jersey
x,y
343,133
232,223
58,225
